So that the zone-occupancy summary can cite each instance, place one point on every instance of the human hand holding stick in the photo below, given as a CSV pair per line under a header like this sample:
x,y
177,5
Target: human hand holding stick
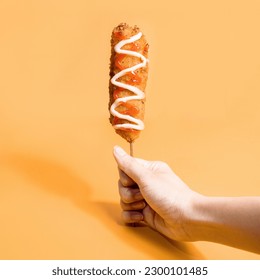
x,y
165,203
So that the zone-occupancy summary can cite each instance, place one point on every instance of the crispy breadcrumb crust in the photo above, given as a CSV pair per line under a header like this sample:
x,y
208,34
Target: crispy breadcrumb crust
x,y
124,31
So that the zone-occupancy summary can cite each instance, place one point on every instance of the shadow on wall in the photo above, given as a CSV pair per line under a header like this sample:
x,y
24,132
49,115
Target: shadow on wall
x,y
59,180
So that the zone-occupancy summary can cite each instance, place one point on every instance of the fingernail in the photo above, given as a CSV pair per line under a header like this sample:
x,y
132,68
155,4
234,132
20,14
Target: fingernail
x,y
139,205
137,217
119,151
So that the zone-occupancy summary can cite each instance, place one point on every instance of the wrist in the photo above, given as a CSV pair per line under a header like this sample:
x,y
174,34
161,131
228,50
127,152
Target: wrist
x,y
198,220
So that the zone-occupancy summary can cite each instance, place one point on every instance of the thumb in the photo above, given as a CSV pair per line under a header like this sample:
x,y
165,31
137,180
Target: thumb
x,y
131,166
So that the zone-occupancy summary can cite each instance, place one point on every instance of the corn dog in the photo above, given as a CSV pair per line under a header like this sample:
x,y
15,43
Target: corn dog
x,y
128,77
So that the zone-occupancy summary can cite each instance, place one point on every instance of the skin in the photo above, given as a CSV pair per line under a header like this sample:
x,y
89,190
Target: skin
x,y
151,193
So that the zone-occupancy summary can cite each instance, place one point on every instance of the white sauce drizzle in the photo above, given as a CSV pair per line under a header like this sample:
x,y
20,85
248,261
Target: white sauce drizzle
x,y
139,95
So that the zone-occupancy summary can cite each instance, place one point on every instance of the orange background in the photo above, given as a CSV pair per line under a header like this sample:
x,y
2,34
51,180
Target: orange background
x,y
58,178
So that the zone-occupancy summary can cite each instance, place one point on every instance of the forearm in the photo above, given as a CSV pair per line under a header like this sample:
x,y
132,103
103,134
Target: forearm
x,y
233,221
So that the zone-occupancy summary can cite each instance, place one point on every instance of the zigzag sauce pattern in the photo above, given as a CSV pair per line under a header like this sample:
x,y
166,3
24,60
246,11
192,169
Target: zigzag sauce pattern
x,y
139,95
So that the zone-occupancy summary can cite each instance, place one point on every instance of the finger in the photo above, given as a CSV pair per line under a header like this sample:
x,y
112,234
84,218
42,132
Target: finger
x,y
149,216
125,180
129,165
129,195
132,216
138,205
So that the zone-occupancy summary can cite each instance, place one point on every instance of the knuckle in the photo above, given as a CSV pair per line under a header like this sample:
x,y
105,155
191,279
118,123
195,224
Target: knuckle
x,y
139,205
123,205
124,181
126,216
132,216
126,195
163,165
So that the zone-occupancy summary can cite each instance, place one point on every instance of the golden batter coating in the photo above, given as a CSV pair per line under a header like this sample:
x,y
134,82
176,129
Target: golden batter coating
x,y
138,78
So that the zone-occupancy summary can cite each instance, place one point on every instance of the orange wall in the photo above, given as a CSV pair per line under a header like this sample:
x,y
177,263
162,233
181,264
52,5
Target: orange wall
x,y
58,179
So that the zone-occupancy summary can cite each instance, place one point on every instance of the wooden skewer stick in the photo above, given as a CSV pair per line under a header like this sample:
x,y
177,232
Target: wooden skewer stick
x,y
131,149
132,154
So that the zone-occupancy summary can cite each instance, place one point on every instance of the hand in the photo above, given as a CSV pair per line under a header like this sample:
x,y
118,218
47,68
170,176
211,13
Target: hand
x,y
151,193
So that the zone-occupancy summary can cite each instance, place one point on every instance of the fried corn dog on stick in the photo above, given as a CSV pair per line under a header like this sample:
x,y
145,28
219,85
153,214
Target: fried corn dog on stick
x,y
128,77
